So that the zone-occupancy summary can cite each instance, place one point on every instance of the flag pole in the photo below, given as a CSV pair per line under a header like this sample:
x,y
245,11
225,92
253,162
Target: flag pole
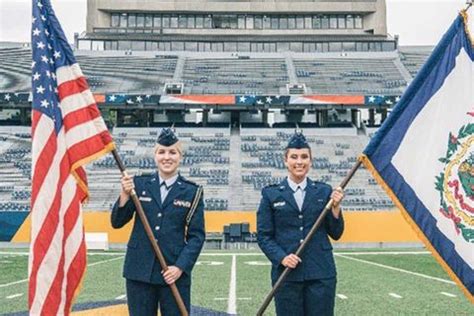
x,y
151,237
308,237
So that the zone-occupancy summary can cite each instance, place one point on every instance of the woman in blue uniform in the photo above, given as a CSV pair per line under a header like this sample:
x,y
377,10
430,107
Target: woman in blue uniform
x,y
166,198
285,216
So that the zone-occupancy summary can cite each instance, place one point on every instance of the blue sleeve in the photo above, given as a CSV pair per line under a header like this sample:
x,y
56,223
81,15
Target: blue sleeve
x,y
122,215
334,226
195,240
266,232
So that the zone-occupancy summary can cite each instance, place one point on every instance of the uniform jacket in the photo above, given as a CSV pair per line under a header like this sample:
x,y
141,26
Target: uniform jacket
x,y
281,228
167,221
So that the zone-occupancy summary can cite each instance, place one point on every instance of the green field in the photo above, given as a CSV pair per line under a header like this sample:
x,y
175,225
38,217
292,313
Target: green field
x,y
235,282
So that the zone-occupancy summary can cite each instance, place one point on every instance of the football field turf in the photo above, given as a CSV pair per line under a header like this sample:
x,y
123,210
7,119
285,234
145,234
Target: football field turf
x,y
370,282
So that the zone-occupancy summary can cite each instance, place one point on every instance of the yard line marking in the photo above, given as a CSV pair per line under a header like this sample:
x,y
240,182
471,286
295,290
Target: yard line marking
x,y
398,269
14,253
383,253
89,265
14,296
394,295
121,297
221,298
244,298
104,261
342,296
232,303
448,294
13,283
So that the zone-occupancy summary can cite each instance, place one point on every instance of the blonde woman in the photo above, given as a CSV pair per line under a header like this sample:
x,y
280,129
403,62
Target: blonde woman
x,y
166,198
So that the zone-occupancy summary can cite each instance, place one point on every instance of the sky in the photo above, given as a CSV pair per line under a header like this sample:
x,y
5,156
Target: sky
x,y
418,22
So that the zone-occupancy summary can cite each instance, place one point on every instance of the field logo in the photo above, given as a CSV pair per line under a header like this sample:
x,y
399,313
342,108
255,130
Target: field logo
x,y
456,182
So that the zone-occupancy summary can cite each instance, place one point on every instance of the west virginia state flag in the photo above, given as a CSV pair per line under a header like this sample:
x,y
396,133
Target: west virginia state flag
x,y
423,155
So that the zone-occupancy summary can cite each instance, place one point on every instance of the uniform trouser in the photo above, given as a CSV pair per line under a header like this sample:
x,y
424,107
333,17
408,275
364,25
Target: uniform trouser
x,y
143,298
311,297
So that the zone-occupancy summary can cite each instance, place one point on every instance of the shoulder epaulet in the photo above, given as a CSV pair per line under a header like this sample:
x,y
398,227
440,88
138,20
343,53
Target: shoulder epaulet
x,y
144,173
321,183
189,181
273,185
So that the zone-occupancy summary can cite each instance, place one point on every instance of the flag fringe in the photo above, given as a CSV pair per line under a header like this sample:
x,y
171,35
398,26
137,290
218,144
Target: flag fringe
x,y
368,164
108,148
465,17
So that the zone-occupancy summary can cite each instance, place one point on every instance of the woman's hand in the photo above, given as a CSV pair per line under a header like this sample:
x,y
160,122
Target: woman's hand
x,y
337,195
172,274
127,186
291,261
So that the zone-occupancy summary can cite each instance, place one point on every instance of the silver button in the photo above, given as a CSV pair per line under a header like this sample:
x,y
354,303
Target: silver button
x,y
301,241
300,216
301,228
159,214
157,227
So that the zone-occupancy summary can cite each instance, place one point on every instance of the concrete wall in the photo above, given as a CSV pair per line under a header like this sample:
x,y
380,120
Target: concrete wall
x,y
360,226
98,11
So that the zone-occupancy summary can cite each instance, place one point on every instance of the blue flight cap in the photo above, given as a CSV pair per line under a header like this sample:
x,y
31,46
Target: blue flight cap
x,y
297,141
167,137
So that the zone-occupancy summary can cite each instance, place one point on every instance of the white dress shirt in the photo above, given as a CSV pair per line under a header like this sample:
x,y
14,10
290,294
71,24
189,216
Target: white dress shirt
x,y
299,191
165,186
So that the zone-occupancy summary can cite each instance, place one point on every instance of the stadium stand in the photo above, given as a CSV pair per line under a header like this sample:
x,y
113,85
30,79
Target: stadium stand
x,y
232,167
224,73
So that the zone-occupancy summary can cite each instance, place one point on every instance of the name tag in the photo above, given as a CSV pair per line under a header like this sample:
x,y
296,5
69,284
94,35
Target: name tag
x,y
145,199
182,203
278,204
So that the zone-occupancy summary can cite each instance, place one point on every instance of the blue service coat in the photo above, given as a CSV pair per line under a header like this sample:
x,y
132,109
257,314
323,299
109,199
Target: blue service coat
x,y
281,228
167,221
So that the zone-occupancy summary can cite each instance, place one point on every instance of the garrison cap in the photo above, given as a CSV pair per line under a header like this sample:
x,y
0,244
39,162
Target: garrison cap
x,y
167,137
297,141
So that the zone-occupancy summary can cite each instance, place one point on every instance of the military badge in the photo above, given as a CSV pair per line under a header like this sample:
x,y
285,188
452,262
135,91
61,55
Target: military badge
x,y
278,204
181,203
456,182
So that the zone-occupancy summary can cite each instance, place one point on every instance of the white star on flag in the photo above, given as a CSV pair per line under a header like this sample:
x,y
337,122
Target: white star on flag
x,y
44,103
40,5
40,45
139,99
371,99
112,98
57,54
44,59
242,99
7,97
33,63
269,100
36,32
40,89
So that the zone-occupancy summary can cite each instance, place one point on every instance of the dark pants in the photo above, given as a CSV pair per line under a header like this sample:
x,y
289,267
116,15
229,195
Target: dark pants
x,y
143,298
313,297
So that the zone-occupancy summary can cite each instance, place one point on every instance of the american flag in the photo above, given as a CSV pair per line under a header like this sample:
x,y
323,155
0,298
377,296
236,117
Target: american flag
x,y
67,132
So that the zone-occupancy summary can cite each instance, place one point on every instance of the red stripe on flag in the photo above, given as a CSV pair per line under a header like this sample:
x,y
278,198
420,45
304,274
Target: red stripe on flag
x,y
43,166
35,117
75,274
53,299
80,116
92,145
71,87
